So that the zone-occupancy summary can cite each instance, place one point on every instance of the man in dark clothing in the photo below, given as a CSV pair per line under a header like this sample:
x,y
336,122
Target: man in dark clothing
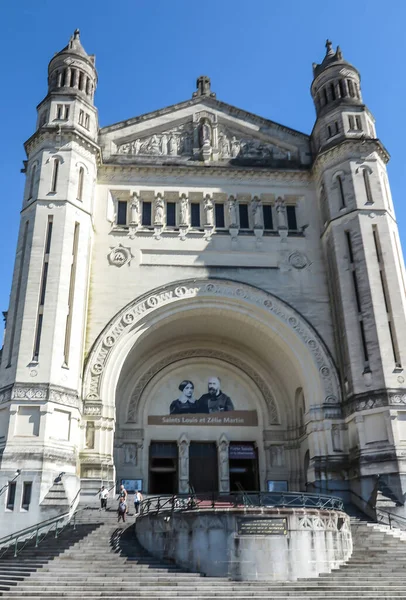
x,y
215,400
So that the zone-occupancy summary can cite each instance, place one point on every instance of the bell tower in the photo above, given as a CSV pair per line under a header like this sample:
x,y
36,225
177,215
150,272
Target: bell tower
x,y
365,270
42,362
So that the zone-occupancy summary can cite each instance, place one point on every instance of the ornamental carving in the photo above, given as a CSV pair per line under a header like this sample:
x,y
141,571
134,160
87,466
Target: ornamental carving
x,y
120,256
277,308
177,141
298,260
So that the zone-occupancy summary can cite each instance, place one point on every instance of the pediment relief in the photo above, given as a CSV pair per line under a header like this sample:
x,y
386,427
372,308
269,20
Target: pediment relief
x,y
204,135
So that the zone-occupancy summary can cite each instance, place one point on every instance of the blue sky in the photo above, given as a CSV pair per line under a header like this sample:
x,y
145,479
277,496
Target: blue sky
x,y
258,53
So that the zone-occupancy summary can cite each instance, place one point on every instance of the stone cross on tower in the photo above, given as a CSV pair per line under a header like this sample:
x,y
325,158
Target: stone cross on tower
x,y
203,87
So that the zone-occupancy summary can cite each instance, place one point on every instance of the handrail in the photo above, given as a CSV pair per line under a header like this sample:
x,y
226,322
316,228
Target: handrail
x,y
180,502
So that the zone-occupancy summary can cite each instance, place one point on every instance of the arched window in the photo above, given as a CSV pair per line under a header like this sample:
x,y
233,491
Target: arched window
x,y
367,183
340,187
32,181
332,91
342,88
54,182
351,88
80,183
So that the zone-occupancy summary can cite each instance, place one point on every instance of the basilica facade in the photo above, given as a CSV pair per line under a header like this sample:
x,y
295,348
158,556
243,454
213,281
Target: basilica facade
x,y
203,299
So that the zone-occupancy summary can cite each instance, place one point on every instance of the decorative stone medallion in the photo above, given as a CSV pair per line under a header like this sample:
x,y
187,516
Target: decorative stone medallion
x,y
119,256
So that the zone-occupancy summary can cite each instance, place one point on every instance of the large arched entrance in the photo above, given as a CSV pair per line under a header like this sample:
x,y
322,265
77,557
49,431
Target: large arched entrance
x,y
209,383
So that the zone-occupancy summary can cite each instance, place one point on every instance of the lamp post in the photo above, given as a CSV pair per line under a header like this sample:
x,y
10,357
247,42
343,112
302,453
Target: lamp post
x,y
5,487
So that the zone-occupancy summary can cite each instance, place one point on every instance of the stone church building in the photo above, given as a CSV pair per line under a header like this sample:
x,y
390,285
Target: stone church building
x,y
203,298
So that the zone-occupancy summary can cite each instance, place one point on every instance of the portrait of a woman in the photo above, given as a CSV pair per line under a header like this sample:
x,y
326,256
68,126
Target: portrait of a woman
x,y
186,403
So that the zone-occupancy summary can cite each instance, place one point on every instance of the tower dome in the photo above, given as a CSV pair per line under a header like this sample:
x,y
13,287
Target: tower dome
x,y
335,81
72,70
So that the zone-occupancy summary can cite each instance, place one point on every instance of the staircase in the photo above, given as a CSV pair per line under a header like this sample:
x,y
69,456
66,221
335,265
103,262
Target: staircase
x,y
101,559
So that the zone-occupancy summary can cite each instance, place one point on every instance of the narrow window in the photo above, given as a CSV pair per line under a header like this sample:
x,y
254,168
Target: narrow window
x,y
195,214
329,133
32,181
71,296
325,96
146,214
66,112
349,245
356,291
59,111
121,212
291,216
337,127
351,122
358,123
81,117
18,292
219,215
367,184
80,183
11,495
267,213
364,342
243,213
26,498
332,91
171,214
63,78
341,191
351,88
399,262
87,121
81,80
342,88
54,183
44,278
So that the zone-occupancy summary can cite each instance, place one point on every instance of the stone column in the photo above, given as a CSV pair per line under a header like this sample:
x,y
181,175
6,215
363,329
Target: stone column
x,y
223,464
183,465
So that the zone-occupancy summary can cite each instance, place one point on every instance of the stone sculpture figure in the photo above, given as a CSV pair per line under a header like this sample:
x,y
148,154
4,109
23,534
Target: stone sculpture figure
x,y
173,146
184,459
281,213
153,146
235,147
164,145
232,211
135,210
257,212
159,210
224,147
184,210
90,434
209,210
205,133
136,146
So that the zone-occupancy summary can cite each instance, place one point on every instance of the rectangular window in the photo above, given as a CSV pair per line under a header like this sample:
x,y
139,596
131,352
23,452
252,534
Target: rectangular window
x,y
26,499
66,116
351,122
146,214
71,296
195,214
43,288
291,216
121,212
55,175
11,495
18,292
358,123
243,213
267,212
81,117
171,214
59,111
329,133
219,215
87,121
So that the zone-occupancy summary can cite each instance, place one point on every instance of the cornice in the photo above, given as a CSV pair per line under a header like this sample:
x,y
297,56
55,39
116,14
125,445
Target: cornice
x,y
61,137
41,392
108,172
345,147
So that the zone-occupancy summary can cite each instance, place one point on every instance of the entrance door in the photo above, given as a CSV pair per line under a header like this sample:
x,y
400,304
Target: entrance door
x,y
163,468
243,467
203,468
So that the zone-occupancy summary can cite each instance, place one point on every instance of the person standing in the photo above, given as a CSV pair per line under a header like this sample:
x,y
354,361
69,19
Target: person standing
x,y
122,503
137,501
104,494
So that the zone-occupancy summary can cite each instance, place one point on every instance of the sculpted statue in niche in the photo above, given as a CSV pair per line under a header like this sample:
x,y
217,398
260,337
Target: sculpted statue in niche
x,y
135,210
184,210
136,145
257,212
90,435
235,147
130,454
281,213
159,210
205,137
184,459
173,145
208,208
277,456
232,211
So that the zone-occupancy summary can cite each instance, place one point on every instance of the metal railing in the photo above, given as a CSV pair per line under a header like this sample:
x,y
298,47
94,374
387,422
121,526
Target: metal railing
x,y
182,502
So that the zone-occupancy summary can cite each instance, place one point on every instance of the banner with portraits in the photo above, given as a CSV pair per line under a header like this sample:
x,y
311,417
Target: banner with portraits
x,y
203,395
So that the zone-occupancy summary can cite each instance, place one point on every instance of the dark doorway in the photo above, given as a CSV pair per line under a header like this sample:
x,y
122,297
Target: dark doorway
x,y
203,470
163,468
243,467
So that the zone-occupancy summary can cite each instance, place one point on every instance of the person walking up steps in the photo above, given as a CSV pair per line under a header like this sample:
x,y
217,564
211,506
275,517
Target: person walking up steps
x,y
122,503
104,494
137,501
